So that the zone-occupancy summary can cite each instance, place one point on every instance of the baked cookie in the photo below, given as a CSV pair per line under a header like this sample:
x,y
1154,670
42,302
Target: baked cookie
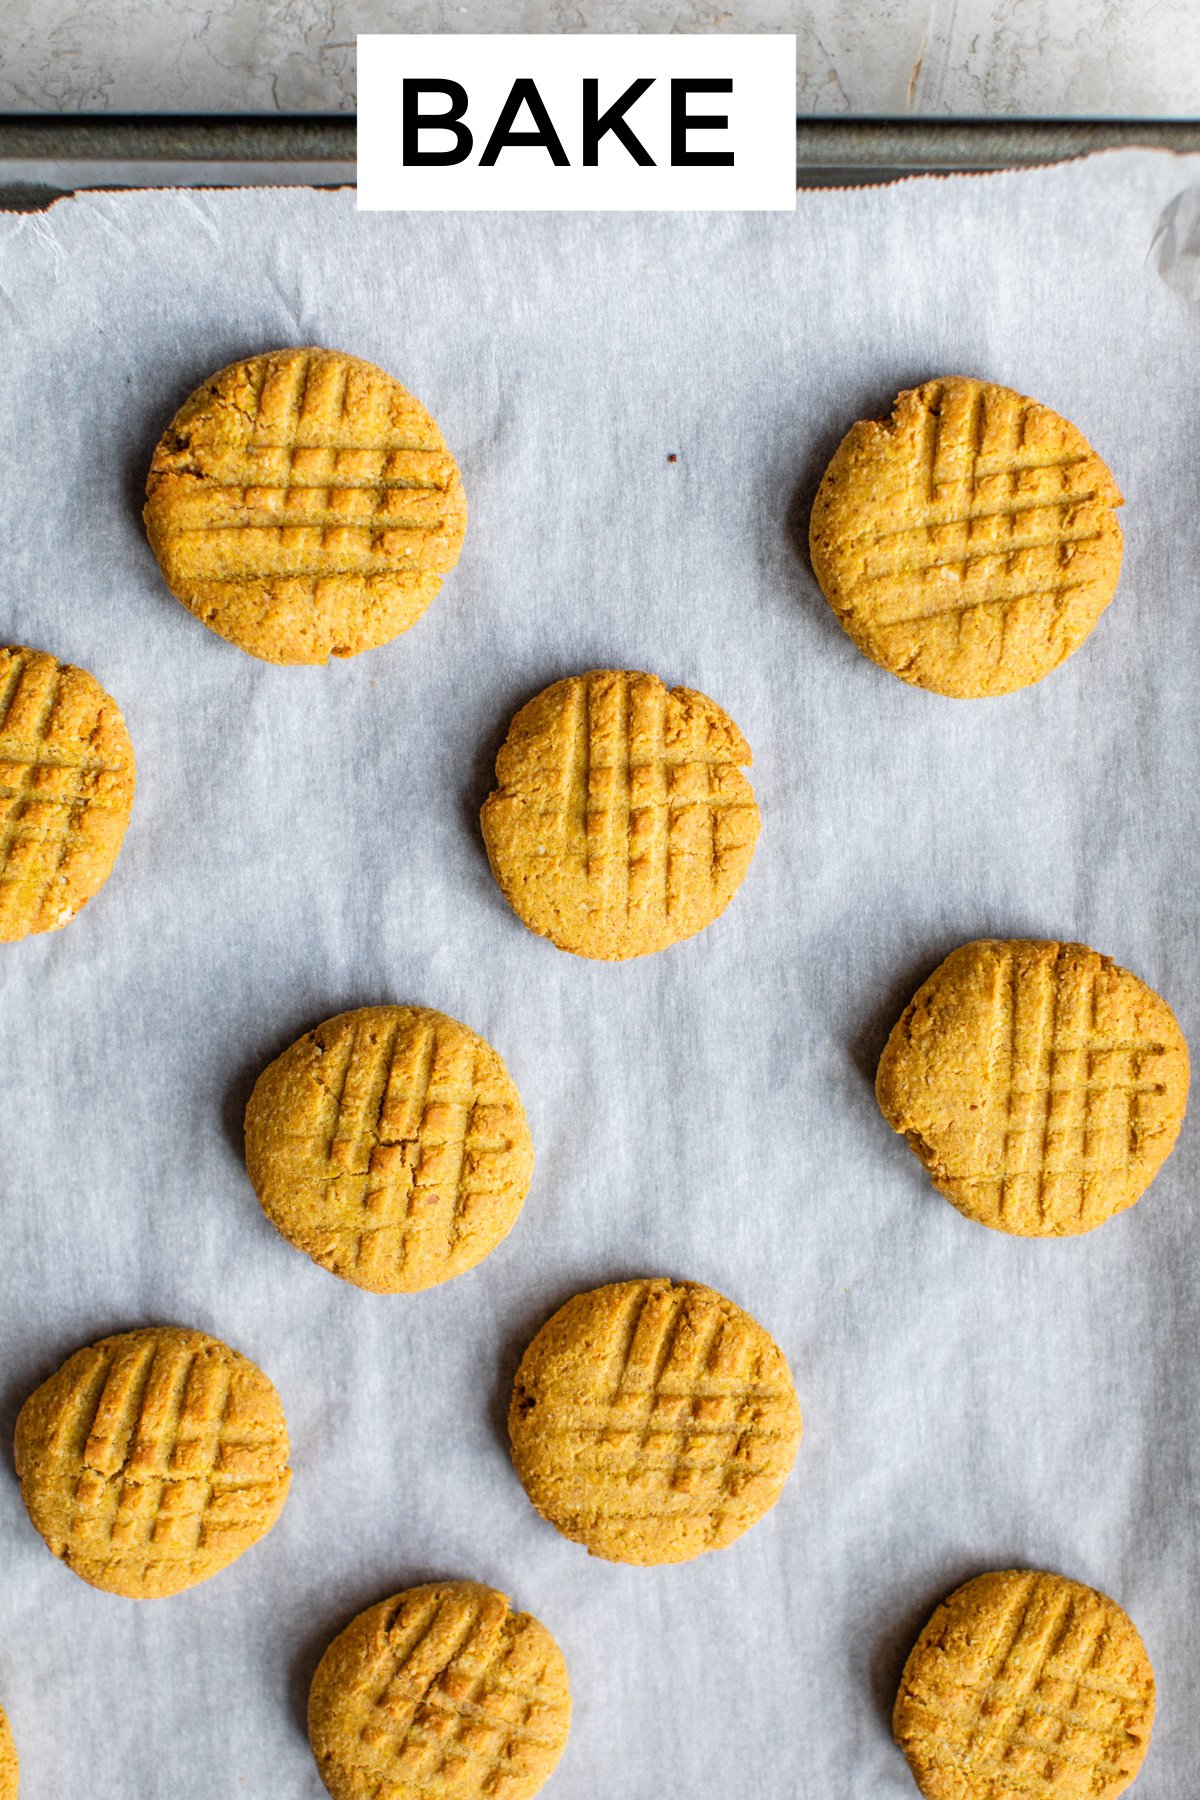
x,y
1042,1086
66,789
622,822
151,1460
653,1420
1025,1684
969,543
391,1146
442,1691
8,1761
304,505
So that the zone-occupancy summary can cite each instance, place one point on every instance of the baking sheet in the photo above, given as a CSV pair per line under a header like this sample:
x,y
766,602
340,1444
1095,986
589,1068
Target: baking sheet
x,y
48,154
306,840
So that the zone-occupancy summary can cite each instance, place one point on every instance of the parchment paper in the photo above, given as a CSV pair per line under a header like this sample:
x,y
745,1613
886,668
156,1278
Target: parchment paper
x,y
306,840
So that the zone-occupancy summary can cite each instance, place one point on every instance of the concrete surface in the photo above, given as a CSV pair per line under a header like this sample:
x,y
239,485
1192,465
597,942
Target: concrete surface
x,y
1049,58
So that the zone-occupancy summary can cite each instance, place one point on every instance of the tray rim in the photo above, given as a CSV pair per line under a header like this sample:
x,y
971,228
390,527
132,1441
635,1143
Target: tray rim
x,y
39,152
287,137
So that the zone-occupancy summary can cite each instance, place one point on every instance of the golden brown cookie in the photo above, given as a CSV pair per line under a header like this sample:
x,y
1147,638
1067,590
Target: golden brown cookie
x,y
304,505
622,822
1025,1684
8,1761
151,1460
390,1145
440,1693
66,789
969,543
653,1420
1041,1085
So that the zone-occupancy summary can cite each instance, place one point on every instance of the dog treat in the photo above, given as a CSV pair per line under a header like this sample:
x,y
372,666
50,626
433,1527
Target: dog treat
x,y
391,1146
1025,1684
66,790
653,1420
440,1693
969,543
622,821
1041,1085
152,1460
304,505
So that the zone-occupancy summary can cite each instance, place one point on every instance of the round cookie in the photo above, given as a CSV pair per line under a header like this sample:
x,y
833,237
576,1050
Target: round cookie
x,y
153,1459
391,1146
1042,1086
66,790
440,1693
653,1420
304,505
969,543
1027,1684
8,1761
622,822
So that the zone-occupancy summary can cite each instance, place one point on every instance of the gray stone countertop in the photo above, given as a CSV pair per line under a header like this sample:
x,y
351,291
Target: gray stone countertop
x,y
939,58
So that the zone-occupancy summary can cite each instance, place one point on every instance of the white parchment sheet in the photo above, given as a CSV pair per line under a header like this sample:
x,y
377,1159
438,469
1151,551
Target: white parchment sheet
x,y
306,840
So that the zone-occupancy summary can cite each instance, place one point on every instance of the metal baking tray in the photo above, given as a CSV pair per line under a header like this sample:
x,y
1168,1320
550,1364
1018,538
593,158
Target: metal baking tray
x,y
43,156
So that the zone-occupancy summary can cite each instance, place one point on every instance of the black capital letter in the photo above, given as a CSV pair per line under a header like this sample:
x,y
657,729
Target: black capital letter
x,y
524,93
612,119
416,121
682,121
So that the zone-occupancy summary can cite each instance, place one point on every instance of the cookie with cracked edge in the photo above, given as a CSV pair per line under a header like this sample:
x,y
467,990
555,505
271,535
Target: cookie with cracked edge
x,y
153,1459
442,1690
390,1145
8,1761
1041,1085
66,790
304,505
653,1420
1025,1683
622,821
968,543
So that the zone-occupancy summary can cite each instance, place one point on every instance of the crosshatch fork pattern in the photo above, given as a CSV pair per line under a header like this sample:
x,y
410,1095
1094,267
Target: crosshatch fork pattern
x,y
970,543
1067,1103
325,480
421,1124
442,1689
654,805
980,507
1042,1085
303,505
682,1411
166,1456
1036,1685
66,785
391,1144
623,820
